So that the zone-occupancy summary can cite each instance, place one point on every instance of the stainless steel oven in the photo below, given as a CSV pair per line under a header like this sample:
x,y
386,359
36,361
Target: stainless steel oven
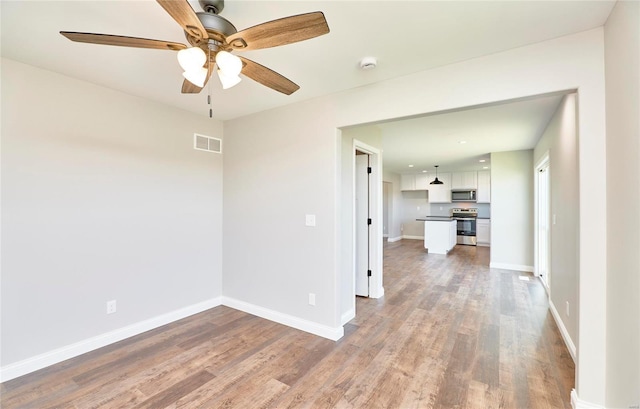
x,y
466,228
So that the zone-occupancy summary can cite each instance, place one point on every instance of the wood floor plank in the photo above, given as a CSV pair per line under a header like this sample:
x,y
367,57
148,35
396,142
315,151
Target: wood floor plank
x,y
450,332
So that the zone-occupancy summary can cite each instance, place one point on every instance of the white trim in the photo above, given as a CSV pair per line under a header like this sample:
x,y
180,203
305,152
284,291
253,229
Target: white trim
x,y
55,356
347,316
377,294
563,330
393,239
577,403
332,333
413,237
516,267
375,208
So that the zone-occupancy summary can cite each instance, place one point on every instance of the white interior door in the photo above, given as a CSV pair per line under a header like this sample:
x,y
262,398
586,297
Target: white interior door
x,y
544,231
362,224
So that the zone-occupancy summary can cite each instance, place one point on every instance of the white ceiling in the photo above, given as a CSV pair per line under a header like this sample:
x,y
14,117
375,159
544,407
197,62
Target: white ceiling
x,y
459,140
405,37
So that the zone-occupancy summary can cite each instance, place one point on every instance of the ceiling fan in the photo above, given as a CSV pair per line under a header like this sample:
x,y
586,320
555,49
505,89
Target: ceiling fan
x,y
213,38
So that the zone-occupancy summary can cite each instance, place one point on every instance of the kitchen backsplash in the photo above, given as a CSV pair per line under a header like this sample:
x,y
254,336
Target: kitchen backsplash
x,y
444,209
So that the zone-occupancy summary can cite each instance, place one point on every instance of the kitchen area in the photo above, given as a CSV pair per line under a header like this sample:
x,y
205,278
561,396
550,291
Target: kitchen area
x,y
458,211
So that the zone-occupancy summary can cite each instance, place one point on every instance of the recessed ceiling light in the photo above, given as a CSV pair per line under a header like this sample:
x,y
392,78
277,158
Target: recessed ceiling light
x,y
410,166
462,142
482,160
485,167
424,171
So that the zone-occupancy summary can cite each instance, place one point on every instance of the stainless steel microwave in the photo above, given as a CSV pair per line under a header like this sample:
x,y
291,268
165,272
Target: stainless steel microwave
x,y
463,195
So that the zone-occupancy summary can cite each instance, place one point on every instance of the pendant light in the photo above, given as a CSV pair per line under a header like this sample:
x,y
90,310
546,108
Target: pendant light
x,y
436,181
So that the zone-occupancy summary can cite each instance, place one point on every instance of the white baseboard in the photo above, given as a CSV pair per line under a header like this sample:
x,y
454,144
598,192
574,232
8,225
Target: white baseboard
x,y
392,239
379,293
55,356
348,316
332,333
563,330
516,267
413,237
577,403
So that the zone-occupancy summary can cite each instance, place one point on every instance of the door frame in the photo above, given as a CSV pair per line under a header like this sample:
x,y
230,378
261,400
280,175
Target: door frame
x,y
362,236
376,289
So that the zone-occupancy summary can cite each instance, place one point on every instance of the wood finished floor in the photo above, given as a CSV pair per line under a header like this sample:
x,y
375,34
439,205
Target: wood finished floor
x,y
449,333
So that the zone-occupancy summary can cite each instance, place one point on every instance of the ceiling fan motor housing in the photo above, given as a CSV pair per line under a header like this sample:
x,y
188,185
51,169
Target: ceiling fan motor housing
x,y
212,6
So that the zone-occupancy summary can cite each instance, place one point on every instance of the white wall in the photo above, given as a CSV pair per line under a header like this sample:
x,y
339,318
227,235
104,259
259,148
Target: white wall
x,y
512,210
294,150
271,259
103,197
622,55
561,141
415,204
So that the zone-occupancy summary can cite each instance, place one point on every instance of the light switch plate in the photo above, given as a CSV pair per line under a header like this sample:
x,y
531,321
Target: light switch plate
x,y
310,220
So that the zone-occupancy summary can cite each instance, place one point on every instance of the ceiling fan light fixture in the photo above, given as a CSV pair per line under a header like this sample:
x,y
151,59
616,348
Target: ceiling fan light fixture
x,y
228,81
229,64
190,59
197,76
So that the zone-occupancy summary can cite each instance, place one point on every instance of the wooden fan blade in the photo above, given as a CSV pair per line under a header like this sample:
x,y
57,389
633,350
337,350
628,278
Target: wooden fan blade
x,y
268,77
190,88
280,32
108,39
182,13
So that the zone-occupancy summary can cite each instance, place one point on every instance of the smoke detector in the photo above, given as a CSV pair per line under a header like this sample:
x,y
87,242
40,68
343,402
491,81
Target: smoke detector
x,y
368,63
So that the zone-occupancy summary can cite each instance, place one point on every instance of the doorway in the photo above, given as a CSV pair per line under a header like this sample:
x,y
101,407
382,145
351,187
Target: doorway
x,y
363,223
367,221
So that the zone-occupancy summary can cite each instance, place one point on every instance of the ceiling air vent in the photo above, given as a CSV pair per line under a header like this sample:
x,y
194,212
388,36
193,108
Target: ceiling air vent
x,y
207,143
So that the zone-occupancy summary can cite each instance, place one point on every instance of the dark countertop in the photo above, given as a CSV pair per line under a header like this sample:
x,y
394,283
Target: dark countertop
x,y
435,219
485,218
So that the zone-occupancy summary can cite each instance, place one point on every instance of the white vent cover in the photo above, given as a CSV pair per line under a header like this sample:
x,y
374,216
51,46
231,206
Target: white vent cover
x,y
207,143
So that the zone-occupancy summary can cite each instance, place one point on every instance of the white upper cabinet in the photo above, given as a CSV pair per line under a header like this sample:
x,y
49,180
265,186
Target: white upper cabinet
x,y
422,182
414,182
483,193
464,180
407,182
441,193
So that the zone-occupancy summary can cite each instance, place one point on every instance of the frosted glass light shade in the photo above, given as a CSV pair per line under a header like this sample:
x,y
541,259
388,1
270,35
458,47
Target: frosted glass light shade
x,y
230,64
192,58
197,76
228,81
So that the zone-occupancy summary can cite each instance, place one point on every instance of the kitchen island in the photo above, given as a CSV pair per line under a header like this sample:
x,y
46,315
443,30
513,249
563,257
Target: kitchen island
x,y
439,234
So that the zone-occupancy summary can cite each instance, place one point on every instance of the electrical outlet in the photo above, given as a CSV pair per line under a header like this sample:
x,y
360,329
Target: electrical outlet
x,y
554,219
440,207
418,208
312,299
567,308
111,306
